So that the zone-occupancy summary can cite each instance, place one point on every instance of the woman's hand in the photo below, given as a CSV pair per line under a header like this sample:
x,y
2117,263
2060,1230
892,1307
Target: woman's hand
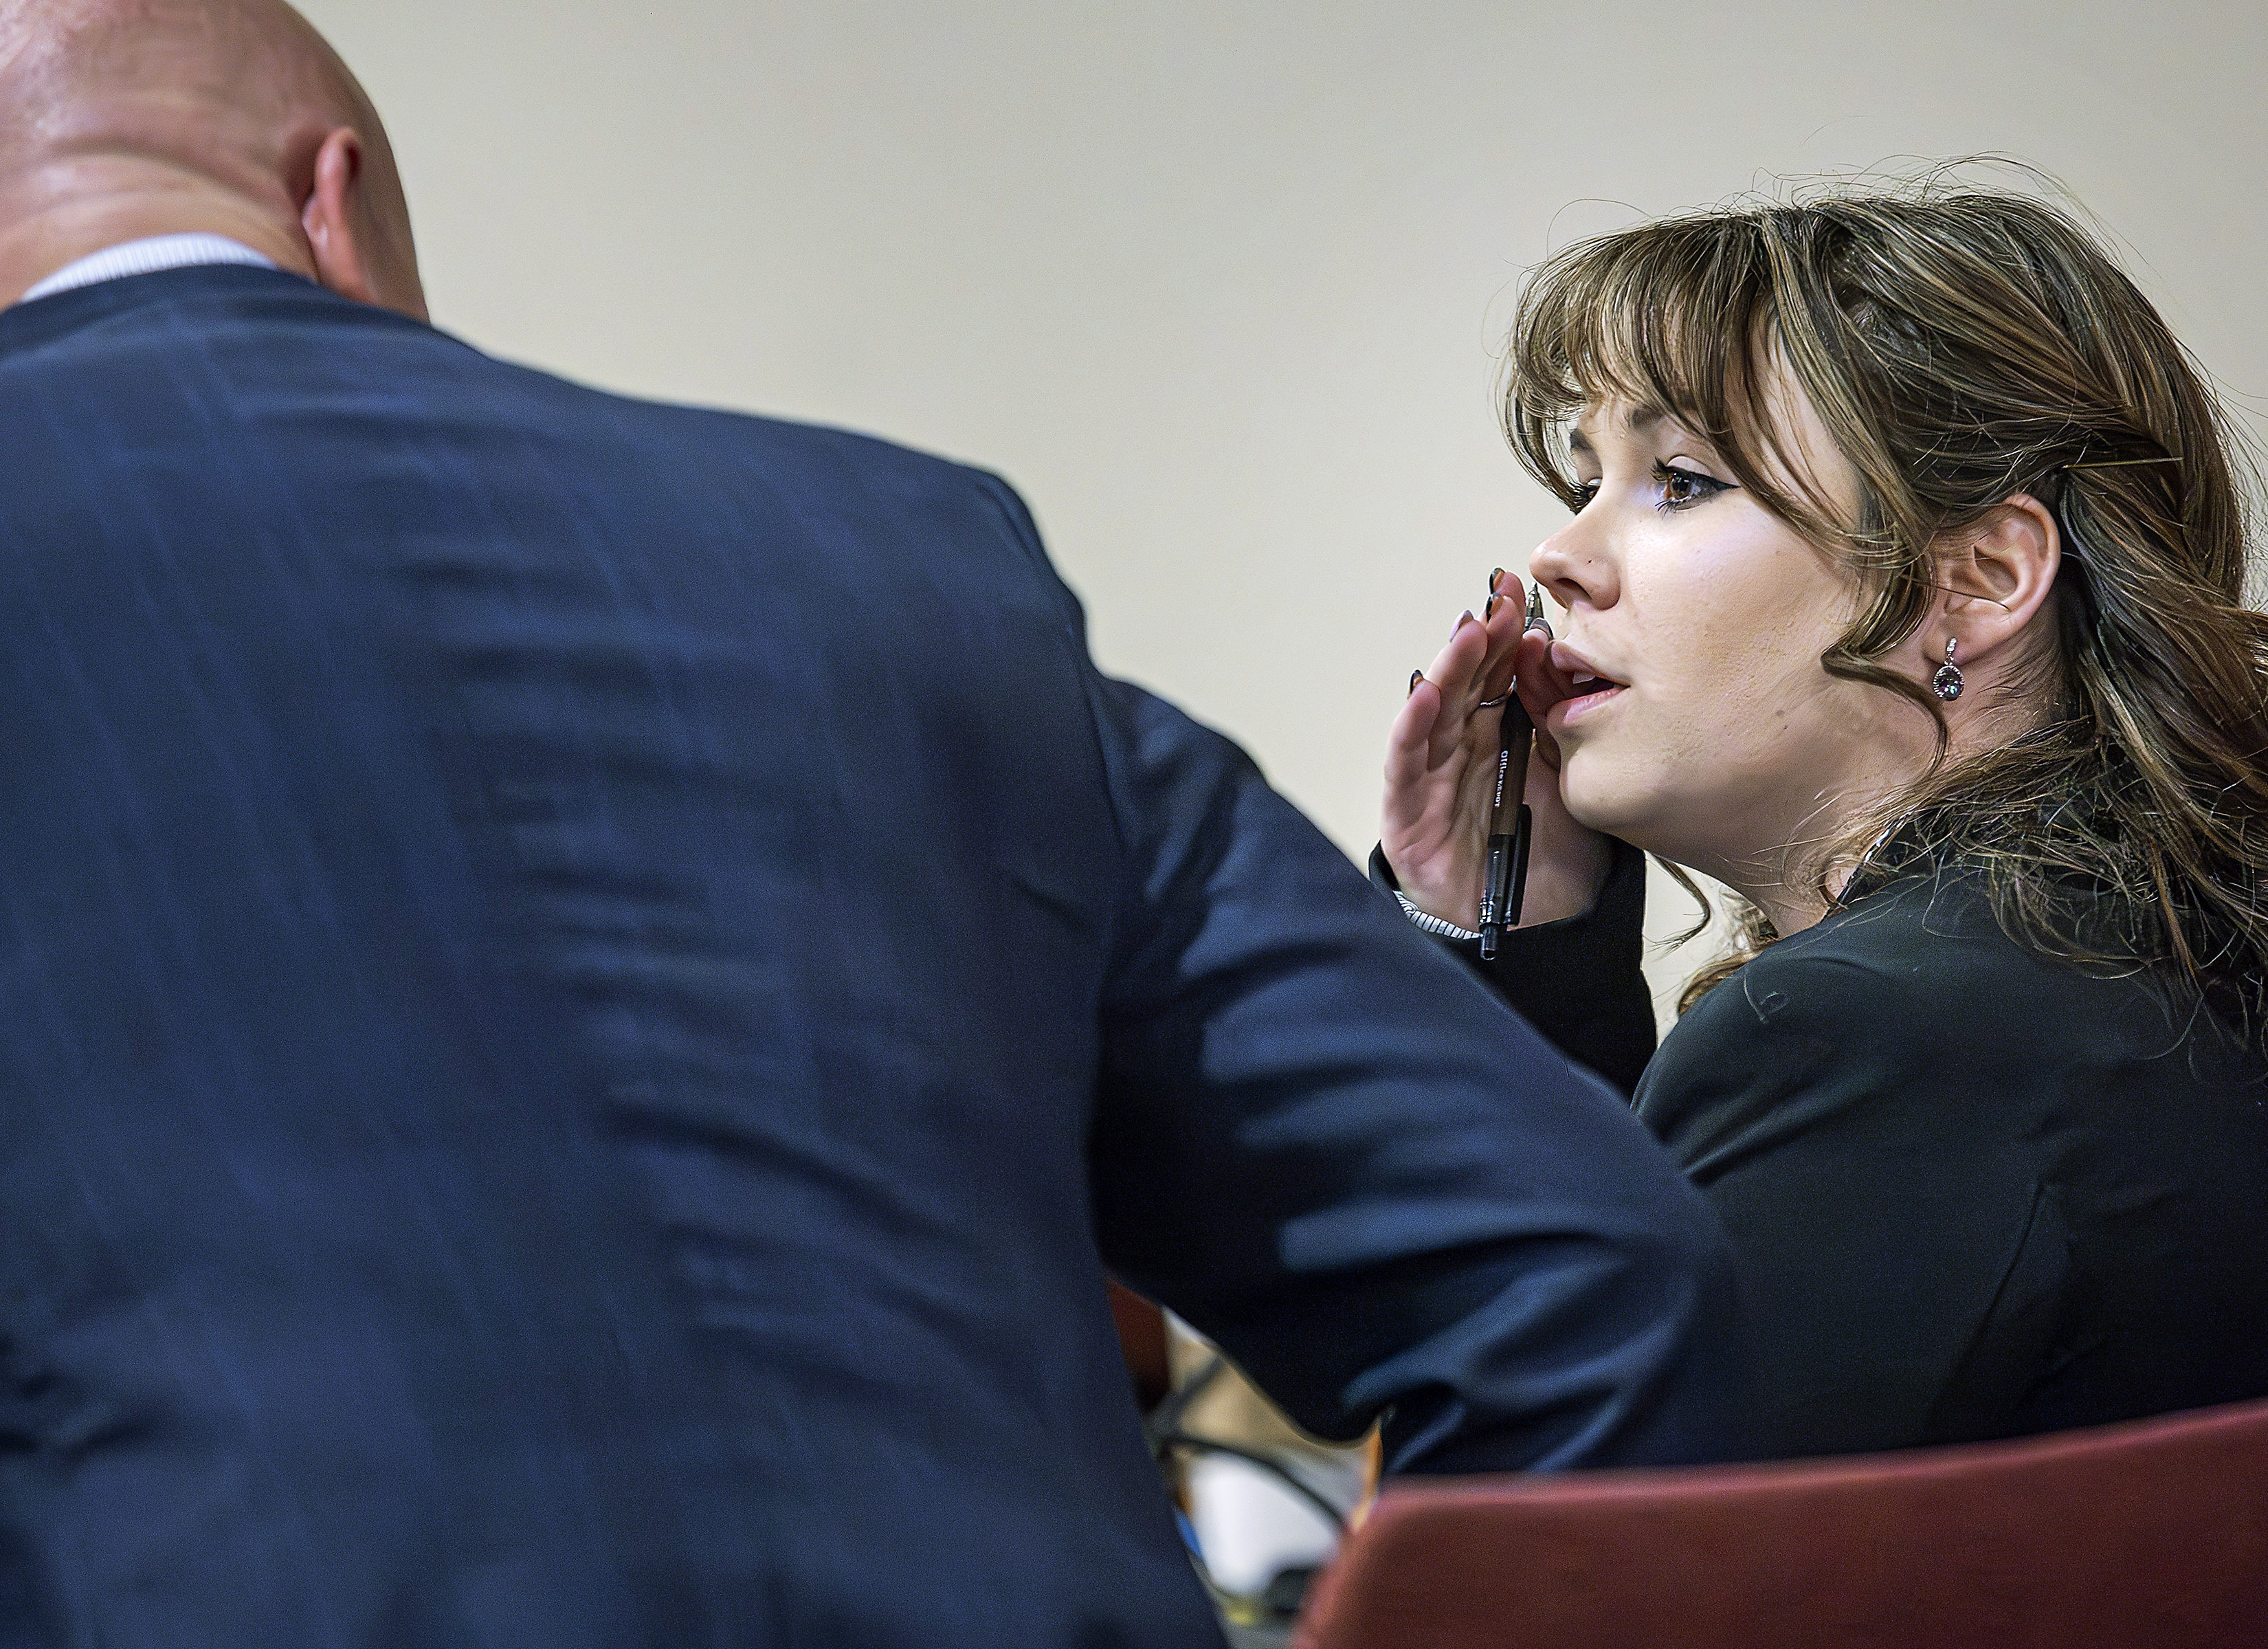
x,y
1440,763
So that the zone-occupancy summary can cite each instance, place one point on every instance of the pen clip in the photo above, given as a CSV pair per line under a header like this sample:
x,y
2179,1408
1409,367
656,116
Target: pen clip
x,y
1522,835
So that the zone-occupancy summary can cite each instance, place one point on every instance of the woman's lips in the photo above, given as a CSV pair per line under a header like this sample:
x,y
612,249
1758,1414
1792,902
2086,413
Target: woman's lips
x,y
1588,690
1591,693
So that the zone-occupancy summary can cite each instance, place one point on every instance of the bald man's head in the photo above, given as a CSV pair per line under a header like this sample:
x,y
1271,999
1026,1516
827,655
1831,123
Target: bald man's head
x,y
130,118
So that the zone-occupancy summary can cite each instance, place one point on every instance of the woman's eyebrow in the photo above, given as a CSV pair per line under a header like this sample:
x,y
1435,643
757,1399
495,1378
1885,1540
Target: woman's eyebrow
x,y
1636,422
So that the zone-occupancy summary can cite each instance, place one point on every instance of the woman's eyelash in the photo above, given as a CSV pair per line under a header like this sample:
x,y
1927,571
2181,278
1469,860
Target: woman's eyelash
x,y
1700,487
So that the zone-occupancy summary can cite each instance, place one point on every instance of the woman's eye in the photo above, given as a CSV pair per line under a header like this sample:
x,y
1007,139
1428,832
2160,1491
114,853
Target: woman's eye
x,y
1683,487
1585,491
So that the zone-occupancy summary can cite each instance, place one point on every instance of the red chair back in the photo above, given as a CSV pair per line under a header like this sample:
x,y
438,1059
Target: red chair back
x,y
2148,1536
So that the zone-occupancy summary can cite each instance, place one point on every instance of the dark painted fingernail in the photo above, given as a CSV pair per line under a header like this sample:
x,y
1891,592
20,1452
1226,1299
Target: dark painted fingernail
x,y
1463,619
1495,579
1415,676
1489,612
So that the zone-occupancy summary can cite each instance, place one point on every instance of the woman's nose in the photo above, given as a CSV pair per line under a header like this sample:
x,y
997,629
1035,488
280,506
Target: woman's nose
x,y
1573,564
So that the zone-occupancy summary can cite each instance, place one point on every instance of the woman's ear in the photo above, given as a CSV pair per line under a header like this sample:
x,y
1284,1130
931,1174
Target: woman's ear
x,y
1996,574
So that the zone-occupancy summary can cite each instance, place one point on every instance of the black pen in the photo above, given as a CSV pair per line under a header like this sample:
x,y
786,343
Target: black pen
x,y
1504,879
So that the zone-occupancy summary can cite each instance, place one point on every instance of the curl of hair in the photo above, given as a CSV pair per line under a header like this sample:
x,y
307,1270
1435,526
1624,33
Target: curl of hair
x,y
1963,346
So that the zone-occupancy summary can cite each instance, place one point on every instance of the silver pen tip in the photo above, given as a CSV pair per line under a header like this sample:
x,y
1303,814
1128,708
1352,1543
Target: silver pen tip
x,y
1535,619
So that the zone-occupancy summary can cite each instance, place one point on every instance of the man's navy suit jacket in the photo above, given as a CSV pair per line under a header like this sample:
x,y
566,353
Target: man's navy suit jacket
x,y
588,990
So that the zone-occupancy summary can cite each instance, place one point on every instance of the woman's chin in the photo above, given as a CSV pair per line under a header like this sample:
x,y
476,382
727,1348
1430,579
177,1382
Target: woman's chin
x,y
1593,797
1614,810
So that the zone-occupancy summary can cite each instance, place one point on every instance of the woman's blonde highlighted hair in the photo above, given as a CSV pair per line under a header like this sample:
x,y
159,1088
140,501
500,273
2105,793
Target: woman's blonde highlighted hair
x,y
1960,346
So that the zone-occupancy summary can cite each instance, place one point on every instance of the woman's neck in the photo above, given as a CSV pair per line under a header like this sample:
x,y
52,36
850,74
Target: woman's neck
x,y
1789,909
1786,881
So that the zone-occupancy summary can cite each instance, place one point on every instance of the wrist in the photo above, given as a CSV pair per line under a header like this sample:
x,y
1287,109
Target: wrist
x,y
1420,888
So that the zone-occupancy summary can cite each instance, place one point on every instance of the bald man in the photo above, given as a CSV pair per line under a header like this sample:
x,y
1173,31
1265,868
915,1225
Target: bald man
x,y
588,989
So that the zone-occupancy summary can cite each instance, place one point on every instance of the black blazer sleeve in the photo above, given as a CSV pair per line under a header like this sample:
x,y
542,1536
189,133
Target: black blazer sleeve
x,y
1579,981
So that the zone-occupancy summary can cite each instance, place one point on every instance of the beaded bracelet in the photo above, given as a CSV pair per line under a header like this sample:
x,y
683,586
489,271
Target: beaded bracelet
x,y
1432,924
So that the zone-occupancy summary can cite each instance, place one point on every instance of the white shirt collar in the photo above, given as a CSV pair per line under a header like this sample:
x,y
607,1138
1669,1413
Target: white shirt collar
x,y
146,257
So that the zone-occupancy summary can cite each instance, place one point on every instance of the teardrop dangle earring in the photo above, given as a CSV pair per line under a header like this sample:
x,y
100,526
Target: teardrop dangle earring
x,y
1946,683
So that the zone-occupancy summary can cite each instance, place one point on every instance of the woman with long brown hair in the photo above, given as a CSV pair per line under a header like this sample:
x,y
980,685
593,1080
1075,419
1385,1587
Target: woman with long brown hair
x,y
1904,596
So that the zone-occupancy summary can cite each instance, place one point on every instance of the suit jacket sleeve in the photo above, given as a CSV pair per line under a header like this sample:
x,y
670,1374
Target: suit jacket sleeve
x,y
1330,1149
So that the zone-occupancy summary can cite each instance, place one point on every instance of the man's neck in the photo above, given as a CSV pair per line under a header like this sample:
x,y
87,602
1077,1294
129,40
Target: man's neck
x,y
36,247
145,256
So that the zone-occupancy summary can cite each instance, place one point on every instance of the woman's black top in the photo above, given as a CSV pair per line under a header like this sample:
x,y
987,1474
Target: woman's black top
x,y
1976,1193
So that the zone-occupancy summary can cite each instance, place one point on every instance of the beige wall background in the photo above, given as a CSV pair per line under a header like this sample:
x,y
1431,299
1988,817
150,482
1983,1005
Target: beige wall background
x,y
1220,286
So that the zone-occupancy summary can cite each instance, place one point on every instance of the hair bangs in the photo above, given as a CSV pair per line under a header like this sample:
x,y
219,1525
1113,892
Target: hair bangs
x,y
1672,317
